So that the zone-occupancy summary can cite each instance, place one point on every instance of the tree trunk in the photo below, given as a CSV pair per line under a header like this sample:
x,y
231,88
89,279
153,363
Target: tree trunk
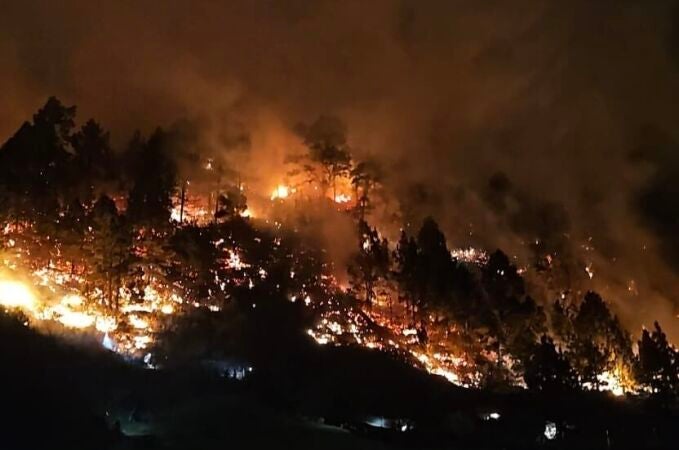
x,y
358,204
334,189
183,199
368,294
499,355
116,303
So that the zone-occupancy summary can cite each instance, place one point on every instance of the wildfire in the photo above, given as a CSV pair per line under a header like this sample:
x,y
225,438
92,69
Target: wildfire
x,y
281,192
131,326
138,322
195,210
234,262
106,324
470,255
70,318
342,198
58,299
14,294
612,383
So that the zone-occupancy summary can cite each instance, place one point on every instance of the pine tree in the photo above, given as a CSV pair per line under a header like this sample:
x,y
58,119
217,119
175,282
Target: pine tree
x,y
405,274
153,183
109,249
370,263
93,163
365,177
548,370
658,363
327,143
600,343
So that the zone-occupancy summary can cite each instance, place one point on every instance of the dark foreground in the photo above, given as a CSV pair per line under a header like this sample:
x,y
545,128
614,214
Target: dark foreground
x,y
62,394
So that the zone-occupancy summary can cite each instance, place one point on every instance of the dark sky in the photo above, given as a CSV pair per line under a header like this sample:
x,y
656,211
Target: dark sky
x,y
574,102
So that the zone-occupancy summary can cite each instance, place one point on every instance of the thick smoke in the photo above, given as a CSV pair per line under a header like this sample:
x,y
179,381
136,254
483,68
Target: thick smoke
x,y
510,122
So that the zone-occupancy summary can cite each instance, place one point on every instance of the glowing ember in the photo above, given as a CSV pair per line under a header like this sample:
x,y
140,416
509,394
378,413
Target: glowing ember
x,y
72,319
280,192
138,322
470,255
141,342
106,324
234,262
72,300
342,198
247,213
615,381
590,272
14,294
175,214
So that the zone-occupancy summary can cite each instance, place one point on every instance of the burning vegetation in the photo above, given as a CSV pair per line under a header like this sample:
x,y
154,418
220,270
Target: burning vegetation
x,y
135,245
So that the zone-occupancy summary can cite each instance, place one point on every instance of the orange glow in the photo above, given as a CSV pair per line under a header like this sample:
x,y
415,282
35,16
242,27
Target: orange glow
x,y
280,192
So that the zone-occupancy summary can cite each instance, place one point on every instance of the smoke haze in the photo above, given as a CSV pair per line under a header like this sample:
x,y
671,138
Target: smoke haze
x,y
509,122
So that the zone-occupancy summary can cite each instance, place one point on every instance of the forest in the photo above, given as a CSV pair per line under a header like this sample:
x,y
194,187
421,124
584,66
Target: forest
x,y
155,252
104,221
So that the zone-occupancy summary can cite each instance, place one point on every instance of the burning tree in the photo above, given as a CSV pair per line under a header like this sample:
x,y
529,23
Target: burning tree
x,y
405,257
122,267
108,250
515,320
548,369
370,264
658,363
153,181
599,342
233,204
93,163
327,149
365,178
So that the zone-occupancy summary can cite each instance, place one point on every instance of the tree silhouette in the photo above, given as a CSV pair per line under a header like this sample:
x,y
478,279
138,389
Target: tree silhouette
x,y
71,234
599,343
370,263
365,177
233,204
33,163
154,181
514,321
434,266
547,369
93,162
501,279
327,144
196,261
561,321
658,363
109,249
405,273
